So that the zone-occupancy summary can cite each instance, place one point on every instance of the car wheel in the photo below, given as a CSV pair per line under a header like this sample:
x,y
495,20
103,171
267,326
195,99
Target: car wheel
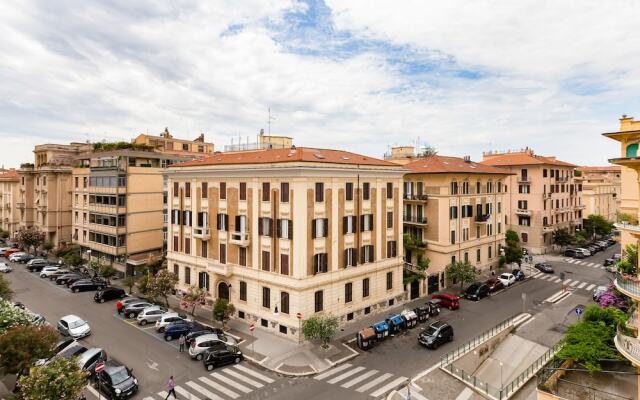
x,y
451,338
161,330
101,300
168,338
74,290
451,308
199,357
132,315
237,360
143,322
210,367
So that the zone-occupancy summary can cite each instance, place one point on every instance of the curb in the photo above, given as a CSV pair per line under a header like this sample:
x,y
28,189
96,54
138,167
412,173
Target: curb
x,y
332,364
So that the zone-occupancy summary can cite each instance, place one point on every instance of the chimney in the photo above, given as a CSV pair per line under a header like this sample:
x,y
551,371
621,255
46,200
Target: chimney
x,y
467,159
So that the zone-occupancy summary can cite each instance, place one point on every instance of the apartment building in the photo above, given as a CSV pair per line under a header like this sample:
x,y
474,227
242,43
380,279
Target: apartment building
x,y
263,142
165,143
629,161
9,192
543,196
600,190
45,191
286,231
453,208
120,206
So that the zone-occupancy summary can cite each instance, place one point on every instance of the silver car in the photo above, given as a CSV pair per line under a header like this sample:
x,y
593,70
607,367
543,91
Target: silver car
x,y
204,342
150,314
74,326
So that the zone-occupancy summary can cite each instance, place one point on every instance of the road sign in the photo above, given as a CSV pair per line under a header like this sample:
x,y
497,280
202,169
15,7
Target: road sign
x,y
99,367
578,311
299,316
252,327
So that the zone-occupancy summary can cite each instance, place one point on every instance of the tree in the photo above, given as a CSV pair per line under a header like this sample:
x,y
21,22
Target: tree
x,y
107,272
626,218
5,289
512,249
321,327
129,282
428,151
222,311
461,271
597,224
23,345
47,246
72,257
193,296
29,238
61,379
162,285
562,237
11,316
581,238
629,263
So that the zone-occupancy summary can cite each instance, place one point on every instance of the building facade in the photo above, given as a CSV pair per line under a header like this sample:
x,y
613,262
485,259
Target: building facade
x,y
9,192
165,143
296,230
46,191
454,211
601,190
543,196
628,344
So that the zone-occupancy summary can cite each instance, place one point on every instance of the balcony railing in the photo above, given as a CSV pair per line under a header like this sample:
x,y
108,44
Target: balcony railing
x,y
240,238
627,226
628,286
579,207
562,179
628,346
202,232
20,205
483,218
413,219
547,228
415,197
546,195
522,211
524,179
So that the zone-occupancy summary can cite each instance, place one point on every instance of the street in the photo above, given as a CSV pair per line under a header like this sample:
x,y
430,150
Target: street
x,y
370,375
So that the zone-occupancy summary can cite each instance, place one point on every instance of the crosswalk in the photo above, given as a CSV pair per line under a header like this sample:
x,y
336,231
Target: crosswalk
x,y
372,382
572,283
585,263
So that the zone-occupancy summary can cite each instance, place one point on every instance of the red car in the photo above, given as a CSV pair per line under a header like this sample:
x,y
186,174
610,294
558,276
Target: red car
x,y
9,252
494,285
451,301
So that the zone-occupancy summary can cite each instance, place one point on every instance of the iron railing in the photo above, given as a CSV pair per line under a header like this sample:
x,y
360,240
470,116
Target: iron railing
x,y
628,346
627,286
414,218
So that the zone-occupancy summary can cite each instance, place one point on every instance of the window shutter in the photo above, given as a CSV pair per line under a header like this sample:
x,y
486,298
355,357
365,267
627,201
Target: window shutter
x,y
362,223
354,219
173,217
371,221
226,222
290,223
313,229
270,222
279,228
325,227
324,262
218,223
260,232
372,253
346,258
362,251
344,224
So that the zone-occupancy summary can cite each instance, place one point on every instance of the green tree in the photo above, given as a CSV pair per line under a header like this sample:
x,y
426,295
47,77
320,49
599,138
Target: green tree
x,y
562,237
3,234
194,296
129,282
11,316
162,285
428,151
629,263
72,257
512,249
107,272
47,246
415,245
143,282
322,327
581,238
628,218
222,311
596,224
61,379
23,345
30,238
461,271
5,289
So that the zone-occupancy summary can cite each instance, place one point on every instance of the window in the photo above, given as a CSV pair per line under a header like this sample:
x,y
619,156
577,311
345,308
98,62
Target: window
x,y
203,219
266,189
466,256
319,192
176,269
285,229
348,292
453,212
187,189
243,190
366,191
187,275
284,192
478,255
349,224
204,250
266,261
77,181
266,297
284,302
176,242
490,252
350,257
499,227
454,187
203,280
365,287
389,190
284,264
265,226
453,237
223,190
392,249
242,256
223,253
243,290
319,228
544,173
185,146
187,246
499,207
478,187
465,187
366,222
348,191
522,204
318,300
525,237
389,280
320,263
205,190
223,222
367,254
389,219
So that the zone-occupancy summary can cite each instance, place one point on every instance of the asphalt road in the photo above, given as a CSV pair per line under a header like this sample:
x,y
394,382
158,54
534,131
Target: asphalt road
x,y
370,375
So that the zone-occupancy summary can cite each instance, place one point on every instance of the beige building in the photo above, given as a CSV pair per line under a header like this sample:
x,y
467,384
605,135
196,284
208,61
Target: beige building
x,y
45,191
600,190
263,142
454,208
9,192
543,196
297,230
165,143
629,137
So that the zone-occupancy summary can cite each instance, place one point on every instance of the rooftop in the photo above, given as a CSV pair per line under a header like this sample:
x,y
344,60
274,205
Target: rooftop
x,y
8,174
522,157
608,168
447,165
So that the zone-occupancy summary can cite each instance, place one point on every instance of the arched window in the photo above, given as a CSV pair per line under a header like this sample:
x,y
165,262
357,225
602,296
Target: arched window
x,y
632,150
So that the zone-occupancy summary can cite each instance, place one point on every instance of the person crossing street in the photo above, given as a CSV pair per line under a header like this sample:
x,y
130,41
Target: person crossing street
x,y
171,388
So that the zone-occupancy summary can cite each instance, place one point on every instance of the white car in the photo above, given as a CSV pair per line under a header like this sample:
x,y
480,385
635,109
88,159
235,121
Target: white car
x,y
4,267
585,252
74,326
15,257
507,279
47,271
166,319
204,342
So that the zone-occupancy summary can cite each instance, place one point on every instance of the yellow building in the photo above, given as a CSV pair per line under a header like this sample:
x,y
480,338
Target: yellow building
x,y
543,196
454,208
297,230
165,143
629,160
9,192
600,190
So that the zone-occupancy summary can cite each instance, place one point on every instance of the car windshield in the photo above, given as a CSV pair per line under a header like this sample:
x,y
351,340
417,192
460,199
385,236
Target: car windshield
x,y
119,375
431,331
473,287
76,323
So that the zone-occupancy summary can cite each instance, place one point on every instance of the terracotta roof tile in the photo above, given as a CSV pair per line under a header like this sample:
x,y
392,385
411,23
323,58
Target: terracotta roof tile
x,y
298,154
8,174
609,168
443,164
523,158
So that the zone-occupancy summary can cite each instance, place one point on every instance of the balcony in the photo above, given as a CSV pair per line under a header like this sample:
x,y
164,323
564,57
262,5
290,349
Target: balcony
x,y
415,220
483,218
546,196
633,229
202,232
562,179
547,228
629,285
524,179
240,238
579,207
20,205
415,197
523,211
628,346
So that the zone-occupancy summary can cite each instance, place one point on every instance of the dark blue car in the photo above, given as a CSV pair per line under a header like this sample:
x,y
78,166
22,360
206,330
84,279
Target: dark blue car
x,y
177,328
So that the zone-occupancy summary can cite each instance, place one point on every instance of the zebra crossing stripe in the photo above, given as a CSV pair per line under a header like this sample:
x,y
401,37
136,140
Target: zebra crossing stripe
x,y
537,275
373,383
557,280
345,375
163,394
571,261
201,390
243,378
253,373
331,372
566,282
574,283
219,387
231,383
186,394
591,264
358,379
590,286
388,387
148,398
583,284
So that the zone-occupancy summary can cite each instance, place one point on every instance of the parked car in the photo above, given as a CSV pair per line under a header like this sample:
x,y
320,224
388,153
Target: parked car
x,y
6,268
121,304
617,256
199,330
518,274
448,300
63,343
435,335
74,326
74,279
598,291
611,268
58,273
177,328
133,309
494,285
64,278
21,257
37,319
167,318
507,279
584,251
83,285
204,342
109,293
150,314
46,271
8,252
476,291
219,356
75,349
609,261
573,253
37,265
87,361
116,381
544,267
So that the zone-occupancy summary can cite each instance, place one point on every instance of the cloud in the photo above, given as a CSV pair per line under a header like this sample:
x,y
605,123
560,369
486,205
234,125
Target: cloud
x,y
362,75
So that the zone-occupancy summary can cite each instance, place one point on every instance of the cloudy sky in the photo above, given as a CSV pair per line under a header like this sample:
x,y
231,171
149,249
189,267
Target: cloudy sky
x,y
363,75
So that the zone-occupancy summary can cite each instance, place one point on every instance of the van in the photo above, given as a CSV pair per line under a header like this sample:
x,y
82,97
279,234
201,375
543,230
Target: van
x,y
448,300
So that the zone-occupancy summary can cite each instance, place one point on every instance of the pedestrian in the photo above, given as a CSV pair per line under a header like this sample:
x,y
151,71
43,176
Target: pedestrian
x,y
181,341
171,388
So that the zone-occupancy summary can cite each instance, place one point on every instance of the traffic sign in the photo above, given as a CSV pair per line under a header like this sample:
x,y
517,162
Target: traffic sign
x,y
299,316
252,327
578,311
99,367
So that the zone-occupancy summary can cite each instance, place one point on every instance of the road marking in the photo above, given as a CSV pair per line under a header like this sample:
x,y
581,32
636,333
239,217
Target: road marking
x,y
203,391
231,382
243,378
219,387
345,375
590,264
570,261
253,373
331,372
583,284
537,275
547,277
186,394
388,387
373,383
148,398
597,266
590,287
557,280
566,282
574,283
359,379
163,394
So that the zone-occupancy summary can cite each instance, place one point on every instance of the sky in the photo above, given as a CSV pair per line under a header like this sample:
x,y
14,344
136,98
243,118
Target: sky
x,y
360,75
